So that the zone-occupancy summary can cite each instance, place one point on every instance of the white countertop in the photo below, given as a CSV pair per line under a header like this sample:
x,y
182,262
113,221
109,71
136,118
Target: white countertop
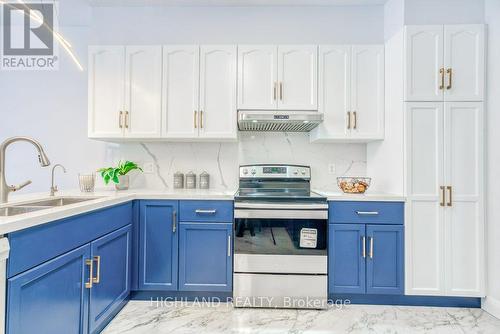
x,y
107,198
368,196
101,199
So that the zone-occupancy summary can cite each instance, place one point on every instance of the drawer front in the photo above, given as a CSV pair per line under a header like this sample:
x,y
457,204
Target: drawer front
x,y
33,246
206,211
356,212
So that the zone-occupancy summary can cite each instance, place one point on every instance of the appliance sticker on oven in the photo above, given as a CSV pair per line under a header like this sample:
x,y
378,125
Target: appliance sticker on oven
x,y
308,238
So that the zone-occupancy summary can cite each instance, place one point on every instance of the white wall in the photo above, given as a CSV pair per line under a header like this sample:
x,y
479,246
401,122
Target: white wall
x,y
444,11
492,15
52,106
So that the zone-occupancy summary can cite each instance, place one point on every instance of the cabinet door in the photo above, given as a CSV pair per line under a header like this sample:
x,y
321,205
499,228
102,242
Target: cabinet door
x,y
158,253
205,257
424,62
298,77
367,92
106,91
334,96
257,77
424,211
346,258
143,92
181,82
218,82
384,266
464,59
111,278
51,298
464,224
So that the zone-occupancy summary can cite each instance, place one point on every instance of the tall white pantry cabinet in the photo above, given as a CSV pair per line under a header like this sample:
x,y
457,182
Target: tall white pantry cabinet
x,y
443,94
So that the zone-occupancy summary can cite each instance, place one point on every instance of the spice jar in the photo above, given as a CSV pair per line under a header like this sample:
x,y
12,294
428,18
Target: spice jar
x,y
190,180
178,180
204,180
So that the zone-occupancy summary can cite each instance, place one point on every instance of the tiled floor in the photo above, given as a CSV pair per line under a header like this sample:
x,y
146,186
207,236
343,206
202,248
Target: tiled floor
x,y
146,317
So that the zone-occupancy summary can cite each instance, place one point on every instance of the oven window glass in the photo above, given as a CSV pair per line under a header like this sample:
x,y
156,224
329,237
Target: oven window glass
x,y
281,236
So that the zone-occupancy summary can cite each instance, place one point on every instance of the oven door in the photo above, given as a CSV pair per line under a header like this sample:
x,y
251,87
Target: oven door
x,y
288,240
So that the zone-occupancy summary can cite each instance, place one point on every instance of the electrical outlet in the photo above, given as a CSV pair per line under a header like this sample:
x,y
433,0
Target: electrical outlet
x,y
331,169
148,168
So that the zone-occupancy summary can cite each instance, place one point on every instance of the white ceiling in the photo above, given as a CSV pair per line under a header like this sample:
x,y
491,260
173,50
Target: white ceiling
x,y
236,2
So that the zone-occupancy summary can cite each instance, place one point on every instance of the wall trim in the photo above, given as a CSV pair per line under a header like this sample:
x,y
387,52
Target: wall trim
x,y
491,305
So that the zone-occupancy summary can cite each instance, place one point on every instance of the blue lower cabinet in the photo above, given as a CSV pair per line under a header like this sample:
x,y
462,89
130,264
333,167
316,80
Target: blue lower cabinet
x,y
158,253
51,297
205,257
111,276
384,266
345,256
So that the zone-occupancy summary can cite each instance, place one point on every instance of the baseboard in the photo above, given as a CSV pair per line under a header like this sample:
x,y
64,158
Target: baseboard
x,y
435,301
492,306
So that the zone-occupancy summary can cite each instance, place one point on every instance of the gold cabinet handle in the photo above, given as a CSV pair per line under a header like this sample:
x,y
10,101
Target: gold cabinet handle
x,y
120,120
441,71
90,263
174,221
201,119
348,120
443,195
450,76
195,119
371,247
275,91
450,192
363,246
126,120
281,91
97,278
355,114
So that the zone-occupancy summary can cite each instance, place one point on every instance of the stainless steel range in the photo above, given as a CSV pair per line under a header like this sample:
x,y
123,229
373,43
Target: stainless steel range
x,y
280,242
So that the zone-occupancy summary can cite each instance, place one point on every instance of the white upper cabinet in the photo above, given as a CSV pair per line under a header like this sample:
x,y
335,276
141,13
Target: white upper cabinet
x,y
124,92
143,91
106,91
367,92
351,93
181,81
444,208
257,77
217,112
444,63
298,77
424,63
278,77
464,61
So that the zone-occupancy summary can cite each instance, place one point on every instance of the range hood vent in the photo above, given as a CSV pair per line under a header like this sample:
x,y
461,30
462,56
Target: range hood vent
x,y
278,121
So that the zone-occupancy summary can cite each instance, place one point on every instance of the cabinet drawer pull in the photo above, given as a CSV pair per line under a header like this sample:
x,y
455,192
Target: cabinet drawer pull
x,y
367,213
355,120
348,120
281,91
228,246
275,91
205,212
195,119
174,221
201,119
120,120
363,244
90,263
441,71
371,247
126,120
97,279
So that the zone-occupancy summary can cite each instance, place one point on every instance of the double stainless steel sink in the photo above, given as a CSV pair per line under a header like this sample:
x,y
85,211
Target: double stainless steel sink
x,y
18,209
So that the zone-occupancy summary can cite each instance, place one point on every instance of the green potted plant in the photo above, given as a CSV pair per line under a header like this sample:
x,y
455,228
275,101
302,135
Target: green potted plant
x,y
119,175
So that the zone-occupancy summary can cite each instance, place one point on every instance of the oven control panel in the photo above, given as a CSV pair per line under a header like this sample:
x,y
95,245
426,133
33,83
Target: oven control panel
x,y
275,171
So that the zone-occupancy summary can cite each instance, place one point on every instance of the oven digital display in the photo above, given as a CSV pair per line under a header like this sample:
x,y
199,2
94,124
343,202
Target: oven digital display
x,y
274,170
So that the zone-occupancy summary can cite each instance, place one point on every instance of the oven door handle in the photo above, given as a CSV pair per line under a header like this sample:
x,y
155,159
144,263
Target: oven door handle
x,y
279,206
280,214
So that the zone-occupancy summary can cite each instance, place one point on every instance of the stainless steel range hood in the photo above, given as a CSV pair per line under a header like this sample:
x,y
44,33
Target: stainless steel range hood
x,y
286,121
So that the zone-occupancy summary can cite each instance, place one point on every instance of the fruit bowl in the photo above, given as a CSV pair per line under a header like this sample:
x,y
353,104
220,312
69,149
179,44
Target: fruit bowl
x,y
353,185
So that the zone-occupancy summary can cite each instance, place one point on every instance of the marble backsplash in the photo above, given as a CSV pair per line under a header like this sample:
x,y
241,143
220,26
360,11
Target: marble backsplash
x,y
221,160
